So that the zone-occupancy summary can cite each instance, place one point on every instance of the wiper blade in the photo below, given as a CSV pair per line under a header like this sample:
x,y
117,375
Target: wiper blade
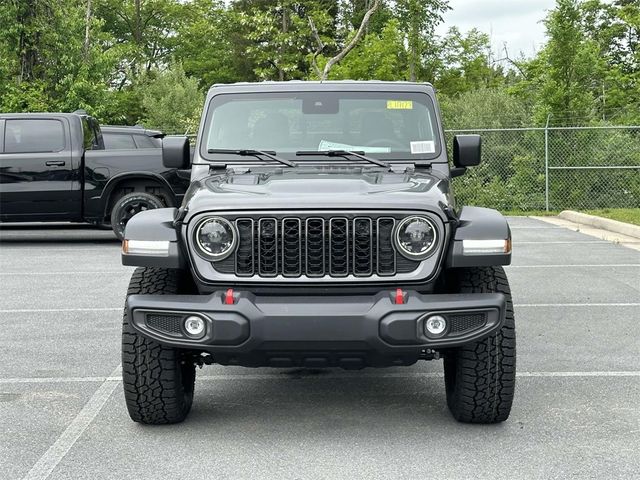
x,y
255,153
345,154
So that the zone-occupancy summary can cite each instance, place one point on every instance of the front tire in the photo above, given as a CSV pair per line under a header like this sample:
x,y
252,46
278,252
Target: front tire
x,y
480,377
129,205
158,380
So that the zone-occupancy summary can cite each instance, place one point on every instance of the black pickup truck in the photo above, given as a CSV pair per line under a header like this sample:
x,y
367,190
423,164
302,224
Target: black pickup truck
x,y
55,167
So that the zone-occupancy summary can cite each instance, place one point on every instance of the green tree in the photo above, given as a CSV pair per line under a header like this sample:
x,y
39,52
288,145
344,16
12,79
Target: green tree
x,y
571,65
53,57
418,20
142,33
462,63
378,57
615,29
484,108
172,101
282,39
211,44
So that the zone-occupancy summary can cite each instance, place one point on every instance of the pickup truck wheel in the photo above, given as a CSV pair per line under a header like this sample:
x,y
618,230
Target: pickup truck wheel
x,y
480,377
158,380
129,205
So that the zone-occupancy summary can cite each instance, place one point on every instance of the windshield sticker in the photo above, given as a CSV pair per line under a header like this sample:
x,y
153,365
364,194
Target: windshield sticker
x,y
326,145
399,105
423,147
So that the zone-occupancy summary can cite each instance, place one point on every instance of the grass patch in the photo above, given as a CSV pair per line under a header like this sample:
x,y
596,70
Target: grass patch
x,y
530,213
627,215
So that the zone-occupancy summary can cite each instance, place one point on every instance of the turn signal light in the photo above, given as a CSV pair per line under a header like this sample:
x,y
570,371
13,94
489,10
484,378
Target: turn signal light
x,y
486,247
150,248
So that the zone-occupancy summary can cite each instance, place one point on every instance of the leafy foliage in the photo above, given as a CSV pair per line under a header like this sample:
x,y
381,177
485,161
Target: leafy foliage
x,y
100,55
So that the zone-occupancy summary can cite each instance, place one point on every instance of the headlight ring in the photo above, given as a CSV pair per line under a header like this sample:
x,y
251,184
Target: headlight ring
x,y
416,237
215,238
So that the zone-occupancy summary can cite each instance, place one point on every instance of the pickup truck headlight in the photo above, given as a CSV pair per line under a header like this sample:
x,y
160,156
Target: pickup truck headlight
x,y
416,237
215,238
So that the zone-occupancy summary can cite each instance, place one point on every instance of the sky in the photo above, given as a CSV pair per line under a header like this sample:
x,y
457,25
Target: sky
x,y
514,22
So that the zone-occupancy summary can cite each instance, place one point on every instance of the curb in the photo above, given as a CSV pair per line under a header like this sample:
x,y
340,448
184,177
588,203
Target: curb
x,y
603,223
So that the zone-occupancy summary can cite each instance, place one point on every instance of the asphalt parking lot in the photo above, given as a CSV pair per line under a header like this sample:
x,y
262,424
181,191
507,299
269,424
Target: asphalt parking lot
x,y
62,413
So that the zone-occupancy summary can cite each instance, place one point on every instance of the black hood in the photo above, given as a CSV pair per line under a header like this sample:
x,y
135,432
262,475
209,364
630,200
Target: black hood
x,y
301,188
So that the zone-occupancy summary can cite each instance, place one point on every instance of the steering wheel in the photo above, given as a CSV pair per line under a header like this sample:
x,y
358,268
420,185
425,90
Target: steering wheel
x,y
386,142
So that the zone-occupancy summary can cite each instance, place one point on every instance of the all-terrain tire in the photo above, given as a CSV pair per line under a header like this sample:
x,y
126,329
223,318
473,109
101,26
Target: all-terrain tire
x,y
158,380
129,205
480,377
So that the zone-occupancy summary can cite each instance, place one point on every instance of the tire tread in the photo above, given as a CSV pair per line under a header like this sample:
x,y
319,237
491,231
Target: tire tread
x,y
152,374
481,376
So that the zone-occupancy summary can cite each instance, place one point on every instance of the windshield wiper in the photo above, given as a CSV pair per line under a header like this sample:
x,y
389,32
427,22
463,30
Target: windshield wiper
x,y
254,153
344,154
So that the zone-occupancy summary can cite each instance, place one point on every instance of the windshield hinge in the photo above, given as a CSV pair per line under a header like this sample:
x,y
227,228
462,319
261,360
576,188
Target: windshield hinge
x,y
240,170
217,166
401,167
422,164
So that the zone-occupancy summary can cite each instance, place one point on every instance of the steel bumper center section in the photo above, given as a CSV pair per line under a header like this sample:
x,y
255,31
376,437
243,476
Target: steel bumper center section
x,y
246,323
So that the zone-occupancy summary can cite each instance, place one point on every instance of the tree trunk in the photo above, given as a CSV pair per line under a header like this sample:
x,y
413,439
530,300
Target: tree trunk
x,y
354,41
137,36
87,31
28,42
285,28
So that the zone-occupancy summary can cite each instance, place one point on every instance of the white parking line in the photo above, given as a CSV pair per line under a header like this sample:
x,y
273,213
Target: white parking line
x,y
521,305
115,248
48,310
126,270
575,265
525,374
56,452
327,374
523,227
564,242
11,381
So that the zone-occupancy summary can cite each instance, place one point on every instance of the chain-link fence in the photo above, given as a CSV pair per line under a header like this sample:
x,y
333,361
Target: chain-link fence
x,y
554,168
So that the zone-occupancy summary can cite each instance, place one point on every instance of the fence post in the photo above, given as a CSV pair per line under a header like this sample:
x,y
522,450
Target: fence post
x,y
546,164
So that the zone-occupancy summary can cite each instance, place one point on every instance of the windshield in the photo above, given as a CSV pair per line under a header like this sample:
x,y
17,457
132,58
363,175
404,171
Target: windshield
x,y
379,124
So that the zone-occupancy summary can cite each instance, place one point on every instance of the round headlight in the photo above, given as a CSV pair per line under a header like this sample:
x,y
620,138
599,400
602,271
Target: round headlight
x,y
416,237
215,238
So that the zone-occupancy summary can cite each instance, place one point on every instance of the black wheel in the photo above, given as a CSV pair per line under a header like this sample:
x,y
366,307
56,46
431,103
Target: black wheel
x,y
158,380
129,205
480,377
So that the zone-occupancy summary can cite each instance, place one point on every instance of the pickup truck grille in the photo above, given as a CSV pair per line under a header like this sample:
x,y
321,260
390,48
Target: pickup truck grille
x,y
315,247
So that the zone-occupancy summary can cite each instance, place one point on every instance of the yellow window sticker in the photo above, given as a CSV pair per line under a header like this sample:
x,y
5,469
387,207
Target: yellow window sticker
x,y
399,104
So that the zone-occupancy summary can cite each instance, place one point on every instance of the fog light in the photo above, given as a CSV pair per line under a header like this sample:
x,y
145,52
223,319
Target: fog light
x,y
435,325
194,326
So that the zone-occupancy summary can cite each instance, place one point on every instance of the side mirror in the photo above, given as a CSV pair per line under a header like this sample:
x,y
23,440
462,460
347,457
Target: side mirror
x,y
467,150
175,152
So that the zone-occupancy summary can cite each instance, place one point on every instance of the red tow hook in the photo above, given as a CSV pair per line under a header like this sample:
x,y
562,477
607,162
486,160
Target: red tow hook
x,y
228,297
399,297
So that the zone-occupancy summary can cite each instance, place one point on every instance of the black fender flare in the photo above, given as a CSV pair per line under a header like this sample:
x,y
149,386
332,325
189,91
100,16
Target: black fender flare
x,y
156,226
113,182
477,223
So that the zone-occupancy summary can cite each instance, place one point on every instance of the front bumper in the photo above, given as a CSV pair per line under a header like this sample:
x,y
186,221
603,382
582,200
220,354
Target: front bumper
x,y
286,331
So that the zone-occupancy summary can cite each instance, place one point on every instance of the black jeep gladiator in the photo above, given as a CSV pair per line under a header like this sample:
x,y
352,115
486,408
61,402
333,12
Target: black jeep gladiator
x,y
54,167
319,230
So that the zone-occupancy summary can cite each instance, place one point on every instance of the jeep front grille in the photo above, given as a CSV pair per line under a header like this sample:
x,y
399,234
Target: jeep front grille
x,y
315,247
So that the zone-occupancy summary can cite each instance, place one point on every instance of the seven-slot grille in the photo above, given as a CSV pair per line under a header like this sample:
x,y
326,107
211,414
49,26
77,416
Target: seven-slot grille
x,y
315,247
